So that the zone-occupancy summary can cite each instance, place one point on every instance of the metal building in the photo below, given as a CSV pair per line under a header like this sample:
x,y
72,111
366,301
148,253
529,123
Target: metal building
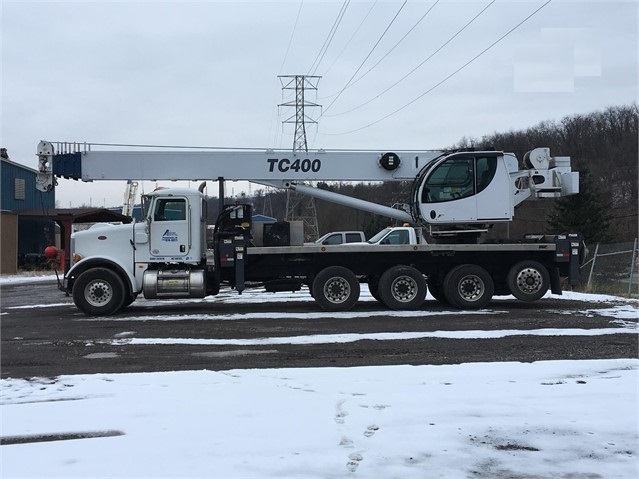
x,y
23,241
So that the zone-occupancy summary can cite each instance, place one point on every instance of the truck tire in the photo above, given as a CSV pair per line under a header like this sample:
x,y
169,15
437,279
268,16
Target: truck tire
x,y
98,292
336,289
468,286
528,280
128,300
402,288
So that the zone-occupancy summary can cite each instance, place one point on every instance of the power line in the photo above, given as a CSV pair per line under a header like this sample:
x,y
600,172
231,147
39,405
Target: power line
x,y
277,114
448,77
393,47
349,41
367,56
418,66
299,10
320,55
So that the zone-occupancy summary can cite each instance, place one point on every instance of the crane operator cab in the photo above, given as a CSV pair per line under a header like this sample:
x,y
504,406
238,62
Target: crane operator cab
x,y
484,187
465,188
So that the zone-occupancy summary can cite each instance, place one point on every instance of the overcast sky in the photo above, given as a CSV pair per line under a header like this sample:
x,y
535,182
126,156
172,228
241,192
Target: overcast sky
x,y
206,73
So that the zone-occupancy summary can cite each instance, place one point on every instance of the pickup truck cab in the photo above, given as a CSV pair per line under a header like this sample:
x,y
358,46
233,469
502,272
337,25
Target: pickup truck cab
x,y
398,235
341,237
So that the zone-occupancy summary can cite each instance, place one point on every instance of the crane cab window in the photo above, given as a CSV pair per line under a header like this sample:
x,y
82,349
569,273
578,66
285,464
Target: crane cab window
x,y
451,180
170,209
486,168
457,178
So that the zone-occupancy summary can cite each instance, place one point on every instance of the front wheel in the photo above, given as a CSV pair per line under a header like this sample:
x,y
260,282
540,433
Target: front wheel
x,y
468,286
98,292
336,289
528,280
128,300
402,288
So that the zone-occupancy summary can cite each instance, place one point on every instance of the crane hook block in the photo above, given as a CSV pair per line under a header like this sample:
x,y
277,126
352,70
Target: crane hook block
x,y
389,161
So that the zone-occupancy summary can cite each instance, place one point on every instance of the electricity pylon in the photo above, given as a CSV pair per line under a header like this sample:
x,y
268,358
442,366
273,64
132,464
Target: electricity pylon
x,y
299,207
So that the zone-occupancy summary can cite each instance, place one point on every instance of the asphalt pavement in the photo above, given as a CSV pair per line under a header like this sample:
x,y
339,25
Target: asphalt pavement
x,y
44,335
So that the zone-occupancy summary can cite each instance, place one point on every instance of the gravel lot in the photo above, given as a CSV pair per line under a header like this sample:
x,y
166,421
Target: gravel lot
x,y
44,335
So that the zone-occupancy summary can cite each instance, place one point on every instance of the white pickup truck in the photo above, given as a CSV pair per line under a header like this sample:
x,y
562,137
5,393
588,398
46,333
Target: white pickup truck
x,y
342,237
398,235
388,236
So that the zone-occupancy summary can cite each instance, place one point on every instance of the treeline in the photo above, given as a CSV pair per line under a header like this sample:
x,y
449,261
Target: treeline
x,y
602,144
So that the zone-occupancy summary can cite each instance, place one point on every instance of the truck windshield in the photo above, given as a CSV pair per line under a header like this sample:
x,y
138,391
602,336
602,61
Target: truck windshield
x,y
375,239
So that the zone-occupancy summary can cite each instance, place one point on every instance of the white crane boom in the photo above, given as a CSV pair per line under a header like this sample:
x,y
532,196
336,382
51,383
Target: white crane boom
x,y
459,187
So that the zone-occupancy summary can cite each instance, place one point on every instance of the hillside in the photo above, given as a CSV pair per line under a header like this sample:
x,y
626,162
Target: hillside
x,y
602,142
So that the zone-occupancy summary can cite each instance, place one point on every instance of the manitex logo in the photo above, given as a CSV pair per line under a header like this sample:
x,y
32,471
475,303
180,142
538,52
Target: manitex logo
x,y
170,236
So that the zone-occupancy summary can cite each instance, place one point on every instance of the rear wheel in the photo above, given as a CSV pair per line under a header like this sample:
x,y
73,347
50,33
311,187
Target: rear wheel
x,y
336,289
402,288
98,292
468,286
528,280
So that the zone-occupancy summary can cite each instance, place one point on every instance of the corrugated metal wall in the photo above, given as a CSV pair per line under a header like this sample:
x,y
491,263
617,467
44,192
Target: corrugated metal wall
x,y
18,192
22,194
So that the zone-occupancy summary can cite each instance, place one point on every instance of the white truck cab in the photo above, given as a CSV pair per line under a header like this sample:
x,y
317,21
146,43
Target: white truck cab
x,y
342,237
398,235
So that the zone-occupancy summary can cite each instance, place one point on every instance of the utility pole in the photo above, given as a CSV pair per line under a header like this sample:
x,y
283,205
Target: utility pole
x,y
299,207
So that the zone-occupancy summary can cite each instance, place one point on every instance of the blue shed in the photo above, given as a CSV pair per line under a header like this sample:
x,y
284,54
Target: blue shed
x,y
17,193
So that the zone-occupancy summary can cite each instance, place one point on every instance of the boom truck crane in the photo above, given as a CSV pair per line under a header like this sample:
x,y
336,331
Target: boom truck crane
x,y
452,193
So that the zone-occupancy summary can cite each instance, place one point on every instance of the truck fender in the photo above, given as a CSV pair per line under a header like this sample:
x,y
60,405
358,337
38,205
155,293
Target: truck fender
x,y
88,263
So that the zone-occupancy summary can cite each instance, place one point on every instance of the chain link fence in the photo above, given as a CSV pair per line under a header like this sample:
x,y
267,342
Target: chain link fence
x,y
612,269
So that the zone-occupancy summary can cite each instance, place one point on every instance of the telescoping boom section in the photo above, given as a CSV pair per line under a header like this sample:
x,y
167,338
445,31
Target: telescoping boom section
x,y
462,187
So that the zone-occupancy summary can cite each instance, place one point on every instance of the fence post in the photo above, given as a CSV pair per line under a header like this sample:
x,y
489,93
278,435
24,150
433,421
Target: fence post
x,y
592,266
632,266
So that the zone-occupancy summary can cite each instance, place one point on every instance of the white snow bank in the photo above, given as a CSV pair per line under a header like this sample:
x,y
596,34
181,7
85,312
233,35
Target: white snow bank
x,y
545,419
30,277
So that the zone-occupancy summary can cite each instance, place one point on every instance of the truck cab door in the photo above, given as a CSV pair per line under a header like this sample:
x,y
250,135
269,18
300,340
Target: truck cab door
x,y
169,231
447,194
465,189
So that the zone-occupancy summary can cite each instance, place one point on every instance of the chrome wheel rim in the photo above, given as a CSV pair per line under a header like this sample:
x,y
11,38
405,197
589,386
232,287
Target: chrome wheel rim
x,y
529,280
404,289
98,293
337,290
471,288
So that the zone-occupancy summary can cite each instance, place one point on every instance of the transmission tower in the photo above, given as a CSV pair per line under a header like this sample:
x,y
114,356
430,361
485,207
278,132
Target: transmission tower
x,y
299,207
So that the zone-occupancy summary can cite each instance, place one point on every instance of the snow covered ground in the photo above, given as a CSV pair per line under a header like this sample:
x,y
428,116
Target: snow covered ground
x,y
574,419
554,419
27,277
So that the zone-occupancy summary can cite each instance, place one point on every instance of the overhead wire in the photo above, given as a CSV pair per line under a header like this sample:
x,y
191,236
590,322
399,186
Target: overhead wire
x,y
417,67
320,55
290,42
394,112
278,115
365,59
392,48
348,43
